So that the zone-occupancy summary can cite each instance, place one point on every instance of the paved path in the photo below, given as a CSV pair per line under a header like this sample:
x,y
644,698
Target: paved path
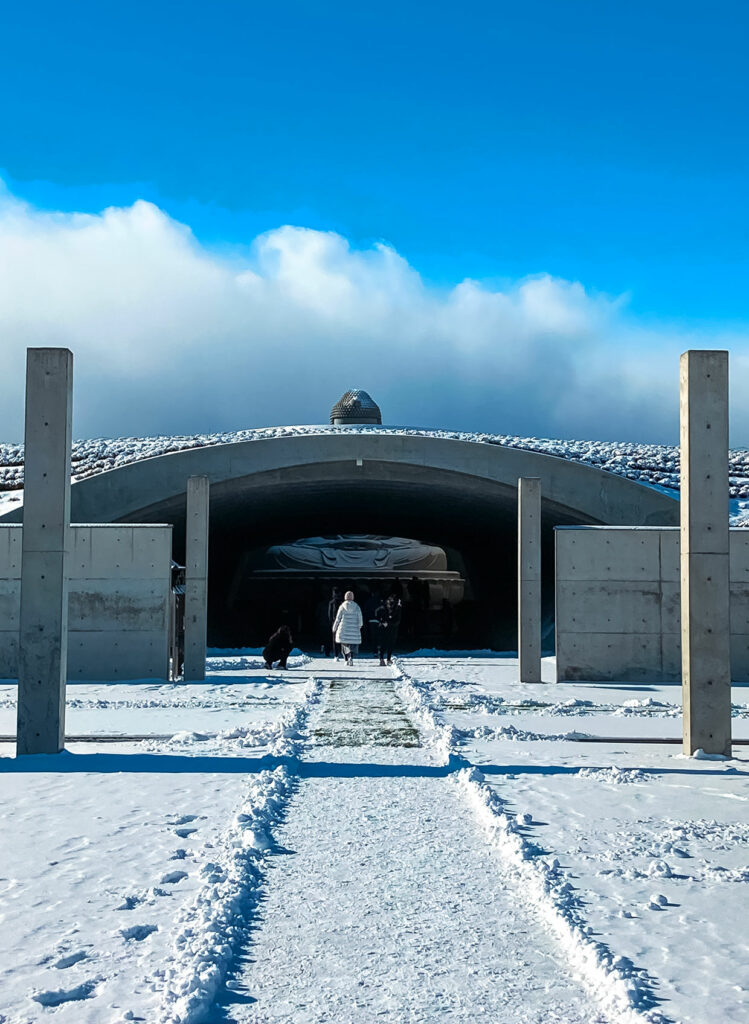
x,y
385,902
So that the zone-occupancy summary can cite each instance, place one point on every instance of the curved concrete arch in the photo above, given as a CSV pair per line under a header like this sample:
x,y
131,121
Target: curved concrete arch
x,y
460,495
576,491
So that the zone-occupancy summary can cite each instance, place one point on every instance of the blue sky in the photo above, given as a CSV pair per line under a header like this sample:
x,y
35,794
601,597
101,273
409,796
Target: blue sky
x,y
594,142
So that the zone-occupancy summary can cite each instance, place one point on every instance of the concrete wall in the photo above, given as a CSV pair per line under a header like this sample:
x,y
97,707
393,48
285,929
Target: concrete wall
x,y
618,614
119,598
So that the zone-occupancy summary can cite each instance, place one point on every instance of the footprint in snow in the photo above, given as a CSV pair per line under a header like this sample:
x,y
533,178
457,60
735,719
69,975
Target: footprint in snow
x,y
184,819
138,932
172,877
75,843
183,833
70,959
56,997
130,902
177,855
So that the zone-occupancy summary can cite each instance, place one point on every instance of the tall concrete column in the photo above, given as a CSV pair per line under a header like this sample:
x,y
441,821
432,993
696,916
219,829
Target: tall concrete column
x,y
43,630
705,588
529,579
196,577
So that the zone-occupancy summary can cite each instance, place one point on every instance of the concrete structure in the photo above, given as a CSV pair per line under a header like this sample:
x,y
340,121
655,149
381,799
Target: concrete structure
x,y
705,611
43,620
304,477
529,579
196,577
118,602
618,604
355,406
460,495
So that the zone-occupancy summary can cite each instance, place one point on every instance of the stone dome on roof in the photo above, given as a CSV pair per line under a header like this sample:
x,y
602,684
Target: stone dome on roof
x,y
356,406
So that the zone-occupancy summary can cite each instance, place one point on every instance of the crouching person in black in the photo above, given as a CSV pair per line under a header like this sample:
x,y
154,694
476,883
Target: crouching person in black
x,y
389,619
278,648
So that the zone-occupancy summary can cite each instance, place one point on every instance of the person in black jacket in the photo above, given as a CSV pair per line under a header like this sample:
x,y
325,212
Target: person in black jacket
x,y
329,643
389,619
278,648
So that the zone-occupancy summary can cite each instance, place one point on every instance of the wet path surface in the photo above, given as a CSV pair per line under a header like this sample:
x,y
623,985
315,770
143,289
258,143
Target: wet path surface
x,y
364,712
385,902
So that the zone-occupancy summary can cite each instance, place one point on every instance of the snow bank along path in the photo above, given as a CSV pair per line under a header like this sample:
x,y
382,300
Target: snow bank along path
x,y
212,927
386,901
620,988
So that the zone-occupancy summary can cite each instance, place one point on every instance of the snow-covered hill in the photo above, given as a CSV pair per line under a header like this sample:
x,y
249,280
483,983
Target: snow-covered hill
x,y
652,464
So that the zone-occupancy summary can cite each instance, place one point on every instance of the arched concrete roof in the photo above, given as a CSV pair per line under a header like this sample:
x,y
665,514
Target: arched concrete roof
x,y
458,494
288,468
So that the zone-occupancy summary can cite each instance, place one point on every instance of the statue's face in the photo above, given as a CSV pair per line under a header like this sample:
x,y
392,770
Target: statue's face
x,y
355,542
358,551
362,543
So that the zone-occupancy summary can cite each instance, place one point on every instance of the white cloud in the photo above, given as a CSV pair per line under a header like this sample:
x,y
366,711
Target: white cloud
x,y
171,337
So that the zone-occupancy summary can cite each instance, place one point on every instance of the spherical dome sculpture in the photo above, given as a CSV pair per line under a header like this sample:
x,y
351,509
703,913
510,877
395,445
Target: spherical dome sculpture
x,y
355,406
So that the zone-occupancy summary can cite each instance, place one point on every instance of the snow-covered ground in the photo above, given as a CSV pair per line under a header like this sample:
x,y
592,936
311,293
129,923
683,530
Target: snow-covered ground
x,y
435,842
652,464
654,845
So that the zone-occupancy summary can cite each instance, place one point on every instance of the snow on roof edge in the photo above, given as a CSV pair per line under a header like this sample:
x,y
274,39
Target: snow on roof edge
x,y
654,465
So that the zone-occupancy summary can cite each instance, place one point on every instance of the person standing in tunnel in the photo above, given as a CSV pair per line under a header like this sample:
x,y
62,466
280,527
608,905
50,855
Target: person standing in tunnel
x,y
347,627
330,642
372,624
389,619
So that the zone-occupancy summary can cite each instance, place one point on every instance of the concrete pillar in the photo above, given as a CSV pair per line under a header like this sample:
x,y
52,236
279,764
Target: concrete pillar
x,y
196,577
529,579
705,589
43,630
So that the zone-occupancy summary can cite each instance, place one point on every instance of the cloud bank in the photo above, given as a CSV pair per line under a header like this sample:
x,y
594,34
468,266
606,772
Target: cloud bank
x,y
171,337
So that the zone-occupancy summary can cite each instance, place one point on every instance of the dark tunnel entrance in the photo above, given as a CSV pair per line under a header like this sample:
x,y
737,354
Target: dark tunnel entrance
x,y
472,520
299,583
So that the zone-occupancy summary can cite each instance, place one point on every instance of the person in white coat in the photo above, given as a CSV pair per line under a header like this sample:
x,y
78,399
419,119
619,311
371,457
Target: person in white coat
x,y
347,626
